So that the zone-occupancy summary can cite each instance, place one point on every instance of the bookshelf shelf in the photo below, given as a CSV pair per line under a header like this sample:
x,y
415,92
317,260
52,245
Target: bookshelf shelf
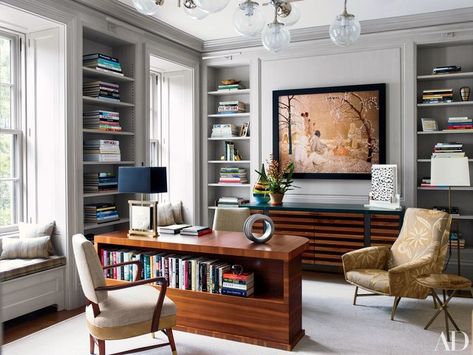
x,y
105,103
99,131
109,162
229,92
463,217
447,104
229,139
466,188
451,131
228,185
91,226
433,77
98,74
229,162
224,115
100,194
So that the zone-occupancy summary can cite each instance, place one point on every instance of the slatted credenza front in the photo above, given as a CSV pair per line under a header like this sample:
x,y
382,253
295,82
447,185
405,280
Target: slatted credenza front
x,y
333,229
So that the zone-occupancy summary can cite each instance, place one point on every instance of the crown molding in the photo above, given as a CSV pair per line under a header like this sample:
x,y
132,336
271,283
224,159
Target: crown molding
x,y
128,15
407,22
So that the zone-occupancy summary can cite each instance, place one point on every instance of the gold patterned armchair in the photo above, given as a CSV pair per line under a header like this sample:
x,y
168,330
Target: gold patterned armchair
x,y
421,248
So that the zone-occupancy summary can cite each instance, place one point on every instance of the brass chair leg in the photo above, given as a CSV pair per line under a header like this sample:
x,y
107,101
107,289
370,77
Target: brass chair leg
x,y
435,302
395,304
356,294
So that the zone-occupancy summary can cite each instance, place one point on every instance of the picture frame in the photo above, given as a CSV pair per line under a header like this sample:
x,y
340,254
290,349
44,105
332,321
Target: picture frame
x,y
244,129
429,125
143,218
330,132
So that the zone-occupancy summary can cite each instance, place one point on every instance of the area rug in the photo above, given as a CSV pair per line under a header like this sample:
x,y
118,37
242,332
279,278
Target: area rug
x,y
332,325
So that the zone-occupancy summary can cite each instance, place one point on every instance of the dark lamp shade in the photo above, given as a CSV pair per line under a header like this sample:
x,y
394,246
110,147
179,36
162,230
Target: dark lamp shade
x,y
144,180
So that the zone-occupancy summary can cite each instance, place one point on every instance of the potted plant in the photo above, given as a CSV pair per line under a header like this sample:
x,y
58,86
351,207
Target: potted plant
x,y
279,179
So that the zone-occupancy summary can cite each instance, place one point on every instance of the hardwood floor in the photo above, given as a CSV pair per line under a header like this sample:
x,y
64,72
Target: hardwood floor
x,y
22,326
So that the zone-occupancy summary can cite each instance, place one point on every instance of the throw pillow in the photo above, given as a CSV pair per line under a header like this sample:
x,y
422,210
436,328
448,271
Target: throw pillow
x,y
26,248
177,212
165,216
32,230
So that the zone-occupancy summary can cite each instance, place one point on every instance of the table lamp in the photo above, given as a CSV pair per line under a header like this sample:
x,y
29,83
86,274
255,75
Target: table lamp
x,y
143,180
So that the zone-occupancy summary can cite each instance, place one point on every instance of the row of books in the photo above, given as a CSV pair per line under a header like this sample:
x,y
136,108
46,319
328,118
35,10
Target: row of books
x,y
100,213
224,130
460,123
230,153
100,182
103,120
102,150
185,272
233,175
231,202
231,107
102,90
437,96
102,62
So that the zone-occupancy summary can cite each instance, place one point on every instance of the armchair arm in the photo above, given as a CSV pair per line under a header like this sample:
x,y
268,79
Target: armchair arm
x,y
136,262
402,278
366,258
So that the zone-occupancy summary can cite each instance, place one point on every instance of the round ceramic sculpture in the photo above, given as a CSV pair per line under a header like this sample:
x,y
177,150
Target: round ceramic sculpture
x,y
465,93
268,228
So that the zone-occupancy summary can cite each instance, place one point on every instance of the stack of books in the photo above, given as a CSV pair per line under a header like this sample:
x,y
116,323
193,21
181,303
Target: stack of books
x,y
224,130
196,231
173,229
238,285
437,96
228,85
103,120
103,63
233,176
462,123
231,202
102,90
425,182
445,69
225,107
102,150
100,213
448,150
100,182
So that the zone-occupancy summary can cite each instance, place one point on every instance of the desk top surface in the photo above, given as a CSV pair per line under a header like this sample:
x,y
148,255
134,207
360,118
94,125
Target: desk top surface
x,y
324,207
218,242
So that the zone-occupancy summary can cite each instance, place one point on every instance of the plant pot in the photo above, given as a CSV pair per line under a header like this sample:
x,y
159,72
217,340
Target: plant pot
x,y
276,199
261,199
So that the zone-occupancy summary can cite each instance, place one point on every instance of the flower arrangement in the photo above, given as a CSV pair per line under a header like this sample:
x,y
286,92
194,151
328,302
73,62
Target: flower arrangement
x,y
279,179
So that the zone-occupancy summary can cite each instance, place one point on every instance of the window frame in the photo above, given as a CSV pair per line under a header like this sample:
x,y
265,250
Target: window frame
x,y
18,109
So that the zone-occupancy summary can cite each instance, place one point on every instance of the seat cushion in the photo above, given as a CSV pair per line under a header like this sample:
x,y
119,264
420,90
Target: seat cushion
x,y
129,306
369,279
13,268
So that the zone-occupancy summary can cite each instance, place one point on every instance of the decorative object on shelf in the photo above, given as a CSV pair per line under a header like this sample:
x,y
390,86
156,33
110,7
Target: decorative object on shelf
x,y
331,133
279,179
268,228
384,187
244,129
346,29
429,125
143,180
248,19
446,69
261,188
465,93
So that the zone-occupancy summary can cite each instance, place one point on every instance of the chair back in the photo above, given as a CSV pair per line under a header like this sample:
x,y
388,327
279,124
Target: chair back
x,y
89,269
230,219
424,233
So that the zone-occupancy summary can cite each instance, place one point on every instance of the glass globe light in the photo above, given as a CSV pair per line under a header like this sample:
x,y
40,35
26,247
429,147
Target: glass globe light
x,y
290,18
346,29
248,19
194,12
276,37
146,7
211,6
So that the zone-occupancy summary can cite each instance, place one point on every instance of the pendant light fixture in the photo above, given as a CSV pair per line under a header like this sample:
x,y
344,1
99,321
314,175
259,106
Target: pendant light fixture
x,y
345,30
193,11
248,19
147,7
288,13
212,6
276,36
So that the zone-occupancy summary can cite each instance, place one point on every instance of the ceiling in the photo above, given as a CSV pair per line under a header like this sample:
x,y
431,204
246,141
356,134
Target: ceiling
x,y
314,13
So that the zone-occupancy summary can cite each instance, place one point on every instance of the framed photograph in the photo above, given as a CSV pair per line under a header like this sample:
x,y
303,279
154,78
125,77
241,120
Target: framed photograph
x,y
143,218
332,132
244,129
429,125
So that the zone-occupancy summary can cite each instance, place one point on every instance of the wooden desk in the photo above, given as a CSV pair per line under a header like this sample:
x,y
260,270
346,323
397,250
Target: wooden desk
x,y
272,317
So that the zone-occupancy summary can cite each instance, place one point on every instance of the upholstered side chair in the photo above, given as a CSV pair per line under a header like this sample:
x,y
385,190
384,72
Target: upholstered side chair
x,y
121,311
230,219
421,248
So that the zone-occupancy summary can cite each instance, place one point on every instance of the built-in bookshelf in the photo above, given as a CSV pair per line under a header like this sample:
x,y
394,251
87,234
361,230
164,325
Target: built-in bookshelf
x,y
96,41
428,57
214,147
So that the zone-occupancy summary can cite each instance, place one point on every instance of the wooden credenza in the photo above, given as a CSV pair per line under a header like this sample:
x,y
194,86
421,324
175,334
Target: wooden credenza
x,y
272,317
333,229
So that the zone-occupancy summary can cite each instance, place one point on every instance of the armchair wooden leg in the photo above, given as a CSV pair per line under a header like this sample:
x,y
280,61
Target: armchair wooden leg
x,y
171,341
395,304
91,344
356,294
101,344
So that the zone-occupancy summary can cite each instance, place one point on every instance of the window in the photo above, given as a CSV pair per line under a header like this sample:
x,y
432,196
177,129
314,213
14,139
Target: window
x,y
11,135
